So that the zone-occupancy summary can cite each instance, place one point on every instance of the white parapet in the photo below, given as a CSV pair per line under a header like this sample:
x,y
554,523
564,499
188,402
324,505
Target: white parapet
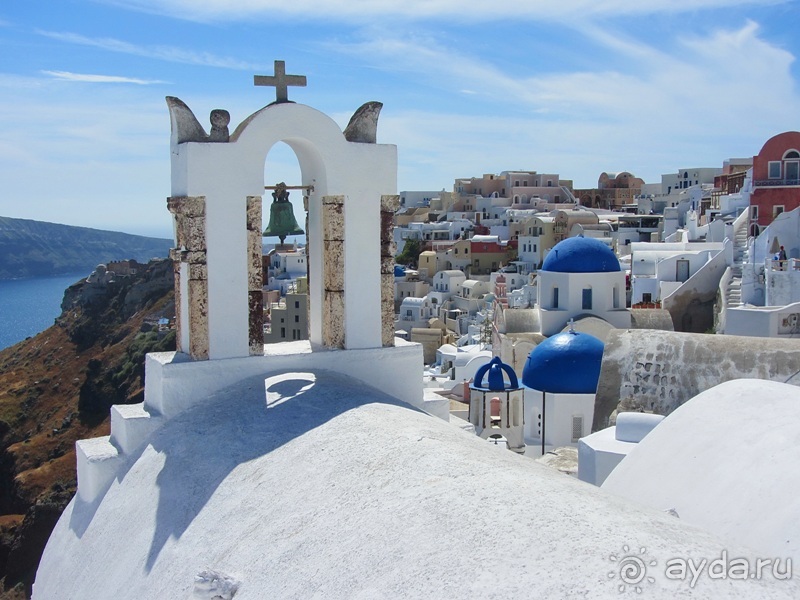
x,y
435,404
131,424
600,452
174,383
98,461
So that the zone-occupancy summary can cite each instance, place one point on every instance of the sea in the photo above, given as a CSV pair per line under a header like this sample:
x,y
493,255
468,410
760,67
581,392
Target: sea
x,y
29,306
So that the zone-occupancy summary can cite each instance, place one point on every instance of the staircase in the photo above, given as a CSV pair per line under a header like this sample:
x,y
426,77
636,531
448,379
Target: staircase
x,y
741,253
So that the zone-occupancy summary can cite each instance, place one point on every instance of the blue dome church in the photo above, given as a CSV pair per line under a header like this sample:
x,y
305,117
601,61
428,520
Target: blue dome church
x,y
560,379
581,277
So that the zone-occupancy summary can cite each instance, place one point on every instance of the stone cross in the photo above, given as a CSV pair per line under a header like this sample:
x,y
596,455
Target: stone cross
x,y
281,81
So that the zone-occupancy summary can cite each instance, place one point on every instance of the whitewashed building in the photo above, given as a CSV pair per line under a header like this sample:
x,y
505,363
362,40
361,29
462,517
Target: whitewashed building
x,y
660,269
581,276
560,377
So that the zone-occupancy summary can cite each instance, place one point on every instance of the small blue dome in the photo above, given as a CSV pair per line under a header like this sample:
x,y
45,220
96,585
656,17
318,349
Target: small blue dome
x,y
581,255
566,363
399,271
496,382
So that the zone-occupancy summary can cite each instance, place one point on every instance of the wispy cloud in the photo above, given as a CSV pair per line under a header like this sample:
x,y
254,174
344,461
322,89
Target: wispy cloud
x,y
462,10
705,99
720,71
166,53
83,77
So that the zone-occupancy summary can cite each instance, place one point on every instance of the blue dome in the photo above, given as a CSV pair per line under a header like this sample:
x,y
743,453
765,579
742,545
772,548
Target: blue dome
x,y
581,255
566,363
496,383
399,271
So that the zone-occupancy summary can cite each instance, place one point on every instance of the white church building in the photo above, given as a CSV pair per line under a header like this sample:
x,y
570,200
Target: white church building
x,y
311,469
581,277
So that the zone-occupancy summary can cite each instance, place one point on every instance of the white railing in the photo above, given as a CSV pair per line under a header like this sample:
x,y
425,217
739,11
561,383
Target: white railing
x,y
790,264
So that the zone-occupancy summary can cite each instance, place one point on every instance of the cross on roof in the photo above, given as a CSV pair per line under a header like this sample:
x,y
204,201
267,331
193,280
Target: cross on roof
x,y
281,81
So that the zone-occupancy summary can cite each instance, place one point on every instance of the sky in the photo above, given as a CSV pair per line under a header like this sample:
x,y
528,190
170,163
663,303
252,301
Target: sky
x,y
574,87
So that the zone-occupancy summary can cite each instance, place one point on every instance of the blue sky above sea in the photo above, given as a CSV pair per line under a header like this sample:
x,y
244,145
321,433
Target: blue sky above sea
x,y
573,87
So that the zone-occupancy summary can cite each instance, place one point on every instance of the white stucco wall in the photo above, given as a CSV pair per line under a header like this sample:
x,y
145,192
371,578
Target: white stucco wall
x,y
764,321
726,462
559,411
570,298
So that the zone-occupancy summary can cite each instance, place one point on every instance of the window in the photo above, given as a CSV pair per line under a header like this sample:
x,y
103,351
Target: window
x,y
577,427
792,172
647,298
615,297
549,183
754,213
587,299
774,169
555,297
297,303
283,332
408,312
776,210
297,318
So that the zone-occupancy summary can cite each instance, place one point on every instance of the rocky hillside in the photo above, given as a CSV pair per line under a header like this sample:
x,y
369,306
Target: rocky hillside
x,y
37,249
57,388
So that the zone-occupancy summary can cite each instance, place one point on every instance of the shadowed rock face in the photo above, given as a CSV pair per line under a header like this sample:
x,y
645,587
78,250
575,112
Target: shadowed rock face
x,y
660,370
56,388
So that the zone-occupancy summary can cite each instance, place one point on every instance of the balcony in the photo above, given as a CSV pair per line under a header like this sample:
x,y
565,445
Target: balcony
x,y
776,182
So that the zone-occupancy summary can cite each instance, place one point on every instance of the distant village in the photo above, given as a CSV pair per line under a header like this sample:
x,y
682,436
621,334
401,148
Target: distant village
x,y
505,261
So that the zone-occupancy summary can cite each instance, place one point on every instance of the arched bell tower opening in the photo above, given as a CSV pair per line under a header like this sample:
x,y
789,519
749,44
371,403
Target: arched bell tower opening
x,y
285,257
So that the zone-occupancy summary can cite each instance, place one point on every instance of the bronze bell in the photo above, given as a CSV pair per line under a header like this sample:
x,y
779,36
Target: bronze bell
x,y
281,215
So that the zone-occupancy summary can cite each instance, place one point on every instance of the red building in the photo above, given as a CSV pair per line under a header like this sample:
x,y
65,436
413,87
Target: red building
x,y
776,179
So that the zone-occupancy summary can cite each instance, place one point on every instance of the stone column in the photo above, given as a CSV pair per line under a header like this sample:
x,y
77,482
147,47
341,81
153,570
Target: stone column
x,y
333,326
176,256
190,220
255,278
389,205
306,200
